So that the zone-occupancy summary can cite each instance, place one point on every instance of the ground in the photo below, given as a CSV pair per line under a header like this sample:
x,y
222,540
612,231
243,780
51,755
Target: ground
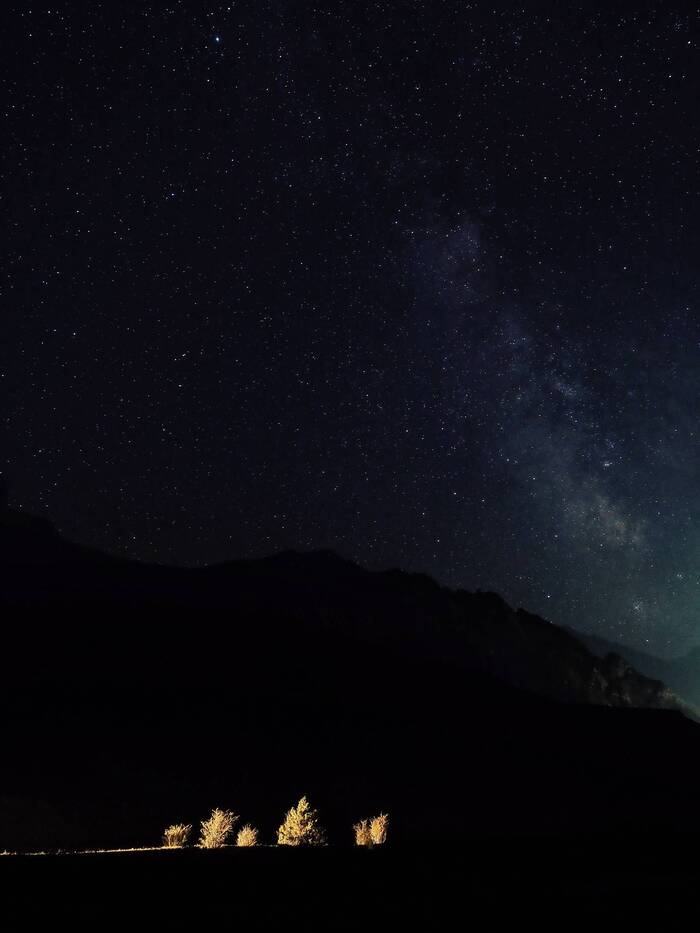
x,y
566,881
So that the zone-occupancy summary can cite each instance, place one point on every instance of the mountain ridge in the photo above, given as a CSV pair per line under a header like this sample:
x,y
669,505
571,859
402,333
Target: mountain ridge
x,y
681,673
473,631
139,694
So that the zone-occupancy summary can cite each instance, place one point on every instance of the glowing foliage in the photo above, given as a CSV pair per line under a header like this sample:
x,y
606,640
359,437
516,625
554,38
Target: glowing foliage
x,y
301,827
247,836
363,836
217,829
371,832
378,828
176,836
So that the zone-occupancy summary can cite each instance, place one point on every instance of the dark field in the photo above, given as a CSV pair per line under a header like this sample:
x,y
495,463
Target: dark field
x,y
559,881
518,793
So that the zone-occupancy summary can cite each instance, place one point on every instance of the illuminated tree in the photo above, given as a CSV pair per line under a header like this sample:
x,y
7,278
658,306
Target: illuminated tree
x,y
301,827
371,832
217,829
176,836
247,836
363,836
378,828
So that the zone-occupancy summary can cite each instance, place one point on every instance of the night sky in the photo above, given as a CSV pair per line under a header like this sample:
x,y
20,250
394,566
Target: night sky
x,y
415,281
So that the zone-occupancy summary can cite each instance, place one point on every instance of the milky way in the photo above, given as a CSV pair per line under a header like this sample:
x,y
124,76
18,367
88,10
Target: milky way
x,y
417,282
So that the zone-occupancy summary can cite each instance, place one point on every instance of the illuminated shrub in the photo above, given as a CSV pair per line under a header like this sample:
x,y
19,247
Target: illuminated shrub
x,y
371,832
176,836
301,827
247,836
378,828
363,835
217,829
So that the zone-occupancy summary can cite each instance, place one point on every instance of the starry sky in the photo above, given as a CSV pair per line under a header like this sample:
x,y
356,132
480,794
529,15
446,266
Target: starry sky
x,y
415,281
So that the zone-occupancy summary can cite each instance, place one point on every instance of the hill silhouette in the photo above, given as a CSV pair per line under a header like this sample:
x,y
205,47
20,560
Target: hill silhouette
x,y
137,695
681,673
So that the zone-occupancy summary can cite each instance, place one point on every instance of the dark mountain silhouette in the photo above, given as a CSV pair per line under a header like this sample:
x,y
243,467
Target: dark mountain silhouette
x,y
135,695
406,612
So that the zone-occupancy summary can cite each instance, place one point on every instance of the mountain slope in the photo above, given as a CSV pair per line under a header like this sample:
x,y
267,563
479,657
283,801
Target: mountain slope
x,y
408,613
136,695
681,674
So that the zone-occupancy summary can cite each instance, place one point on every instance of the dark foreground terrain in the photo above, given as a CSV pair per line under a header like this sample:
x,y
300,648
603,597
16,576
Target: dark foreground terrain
x,y
483,884
526,779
